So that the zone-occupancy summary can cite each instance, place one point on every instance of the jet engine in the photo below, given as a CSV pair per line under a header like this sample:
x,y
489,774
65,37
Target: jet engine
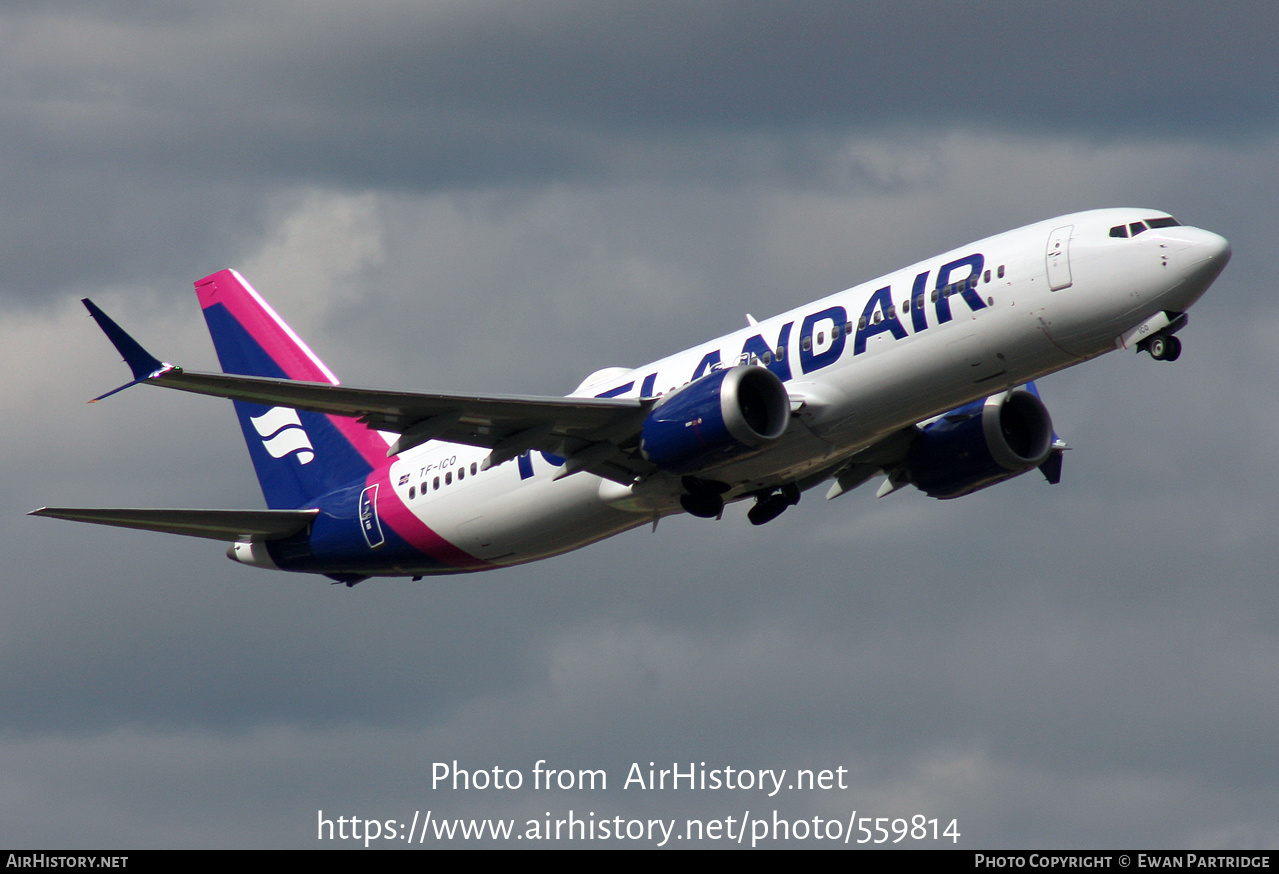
x,y
725,414
983,443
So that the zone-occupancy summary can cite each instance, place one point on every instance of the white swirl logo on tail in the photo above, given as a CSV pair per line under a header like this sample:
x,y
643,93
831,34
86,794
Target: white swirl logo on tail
x,y
282,433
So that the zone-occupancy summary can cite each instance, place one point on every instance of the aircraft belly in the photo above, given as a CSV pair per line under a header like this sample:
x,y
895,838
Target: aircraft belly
x,y
538,519
959,363
798,452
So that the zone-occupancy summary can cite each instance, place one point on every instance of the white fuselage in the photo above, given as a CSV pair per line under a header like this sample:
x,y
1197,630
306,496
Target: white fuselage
x,y
858,366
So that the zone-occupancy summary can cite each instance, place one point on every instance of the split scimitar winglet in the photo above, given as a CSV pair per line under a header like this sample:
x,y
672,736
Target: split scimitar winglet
x,y
143,364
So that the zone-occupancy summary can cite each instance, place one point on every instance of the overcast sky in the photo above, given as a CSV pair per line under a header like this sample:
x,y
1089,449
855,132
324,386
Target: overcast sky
x,y
504,197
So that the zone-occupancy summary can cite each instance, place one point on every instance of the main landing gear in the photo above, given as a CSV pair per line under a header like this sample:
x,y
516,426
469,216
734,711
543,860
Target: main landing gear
x,y
703,498
768,507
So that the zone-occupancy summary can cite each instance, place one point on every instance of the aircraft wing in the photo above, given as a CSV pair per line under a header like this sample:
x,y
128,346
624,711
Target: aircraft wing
x,y
1015,433
211,524
595,434
508,424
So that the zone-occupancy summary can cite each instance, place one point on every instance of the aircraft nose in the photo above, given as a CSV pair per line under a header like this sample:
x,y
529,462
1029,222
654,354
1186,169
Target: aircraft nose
x,y
1207,255
1197,257
1216,249
1199,248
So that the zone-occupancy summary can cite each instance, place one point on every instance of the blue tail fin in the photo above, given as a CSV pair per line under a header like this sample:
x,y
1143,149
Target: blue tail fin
x,y
298,455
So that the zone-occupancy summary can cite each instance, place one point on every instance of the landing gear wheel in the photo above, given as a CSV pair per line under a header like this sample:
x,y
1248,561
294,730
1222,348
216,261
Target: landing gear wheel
x,y
702,506
768,507
1165,348
703,498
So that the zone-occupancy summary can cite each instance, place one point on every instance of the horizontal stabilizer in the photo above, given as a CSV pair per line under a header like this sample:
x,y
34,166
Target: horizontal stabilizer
x,y
226,525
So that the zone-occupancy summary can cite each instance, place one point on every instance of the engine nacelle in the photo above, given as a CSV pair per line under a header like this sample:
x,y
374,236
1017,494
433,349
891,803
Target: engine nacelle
x,y
983,443
724,415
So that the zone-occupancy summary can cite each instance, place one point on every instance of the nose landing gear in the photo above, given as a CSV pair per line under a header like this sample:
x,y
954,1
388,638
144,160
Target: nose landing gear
x,y
1164,347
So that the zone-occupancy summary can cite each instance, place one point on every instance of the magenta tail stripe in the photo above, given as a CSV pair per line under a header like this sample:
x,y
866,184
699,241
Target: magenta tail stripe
x,y
274,336
286,348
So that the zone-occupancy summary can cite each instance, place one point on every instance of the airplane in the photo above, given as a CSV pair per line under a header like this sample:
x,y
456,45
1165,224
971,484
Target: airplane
x,y
924,376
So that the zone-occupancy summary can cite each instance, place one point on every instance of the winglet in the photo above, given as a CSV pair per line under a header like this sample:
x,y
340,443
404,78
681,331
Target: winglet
x,y
143,364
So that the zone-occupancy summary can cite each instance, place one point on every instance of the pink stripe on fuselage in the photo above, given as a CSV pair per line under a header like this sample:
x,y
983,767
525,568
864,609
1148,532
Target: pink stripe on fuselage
x,y
396,514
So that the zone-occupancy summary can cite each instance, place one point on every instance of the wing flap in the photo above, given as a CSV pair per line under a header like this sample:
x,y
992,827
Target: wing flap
x,y
226,525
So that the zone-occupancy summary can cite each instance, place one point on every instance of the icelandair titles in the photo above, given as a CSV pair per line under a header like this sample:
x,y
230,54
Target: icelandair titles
x,y
822,348
879,316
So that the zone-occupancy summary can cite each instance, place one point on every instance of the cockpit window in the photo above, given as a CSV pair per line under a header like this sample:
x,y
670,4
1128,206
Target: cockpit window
x,y
1132,230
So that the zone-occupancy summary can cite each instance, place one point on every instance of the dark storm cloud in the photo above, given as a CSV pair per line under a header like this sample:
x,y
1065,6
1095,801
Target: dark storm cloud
x,y
824,66
165,130
305,86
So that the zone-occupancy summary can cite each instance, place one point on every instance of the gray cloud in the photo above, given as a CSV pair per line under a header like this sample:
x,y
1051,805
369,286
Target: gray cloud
x,y
167,133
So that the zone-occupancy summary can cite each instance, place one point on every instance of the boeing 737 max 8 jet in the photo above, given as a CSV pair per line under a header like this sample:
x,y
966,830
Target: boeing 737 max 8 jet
x,y
924,376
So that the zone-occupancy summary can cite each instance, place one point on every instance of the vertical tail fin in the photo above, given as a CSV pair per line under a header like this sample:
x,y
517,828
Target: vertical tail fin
x,y
298,455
